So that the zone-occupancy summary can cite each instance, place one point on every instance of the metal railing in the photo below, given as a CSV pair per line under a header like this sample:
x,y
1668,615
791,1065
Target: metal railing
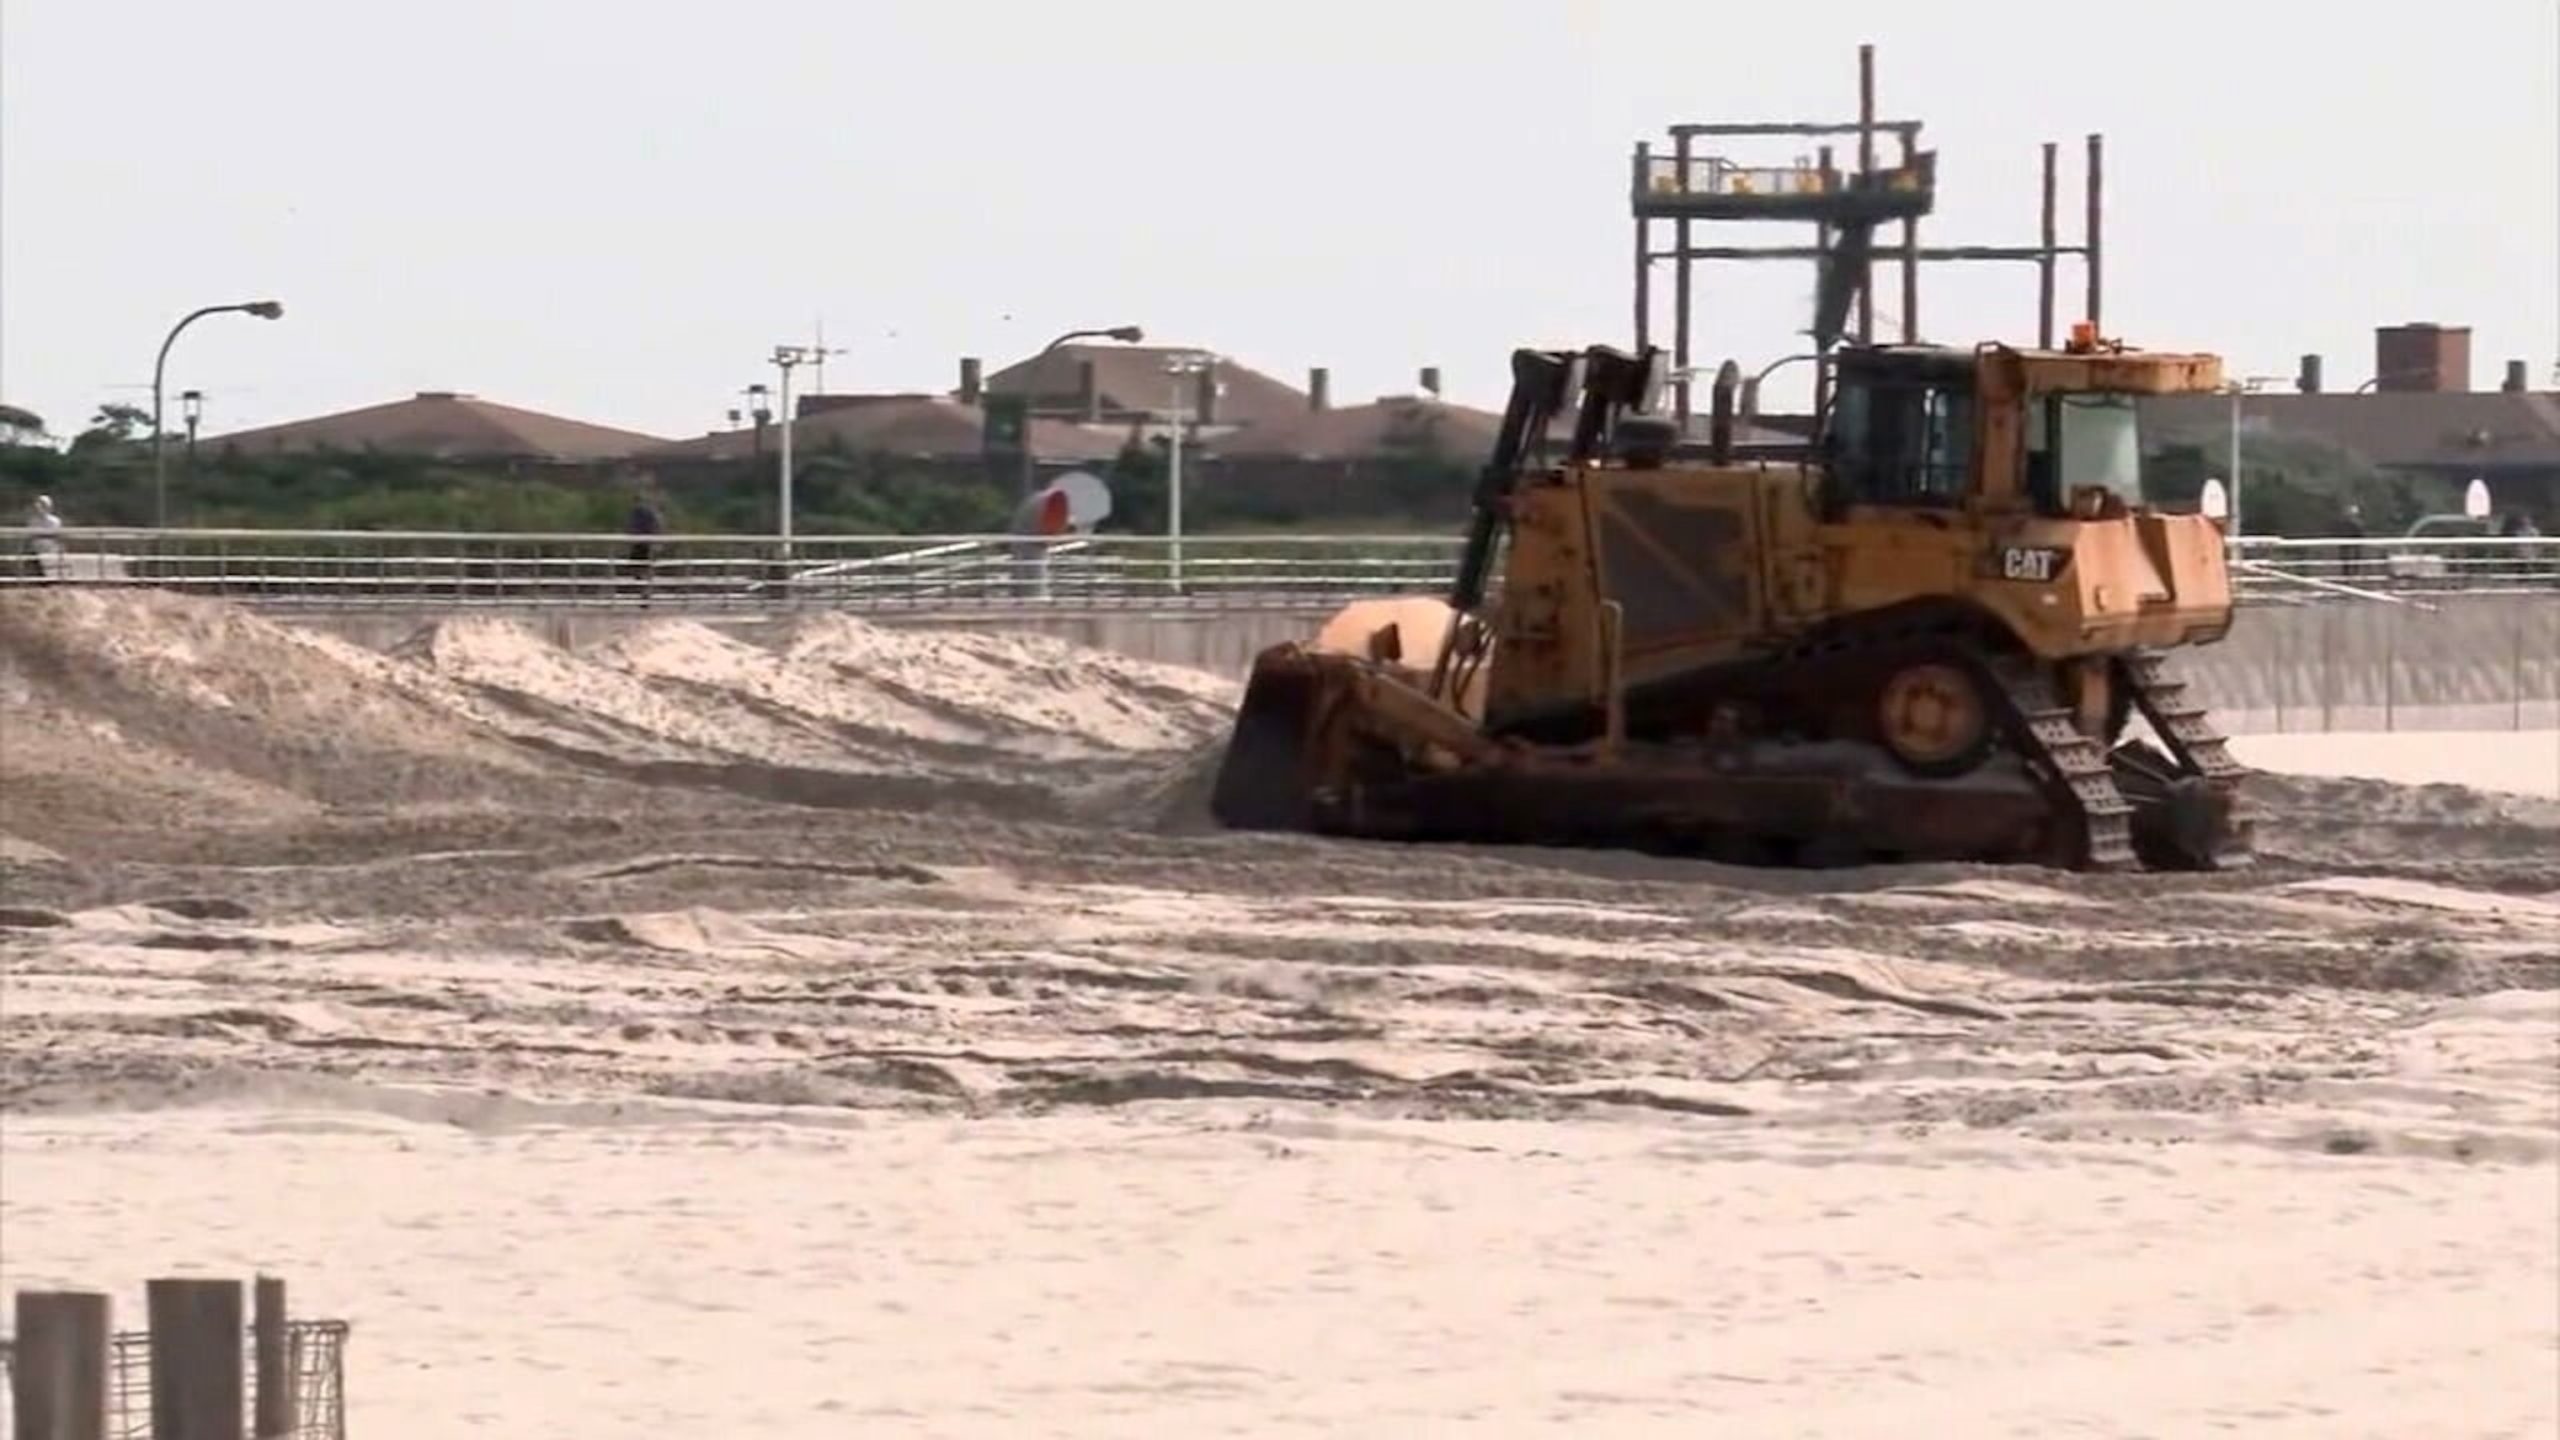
x,y
441,570
2312,569
316,1353
349,569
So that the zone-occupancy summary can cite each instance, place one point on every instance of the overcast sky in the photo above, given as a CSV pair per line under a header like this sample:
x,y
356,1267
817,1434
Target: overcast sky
x,y
613,209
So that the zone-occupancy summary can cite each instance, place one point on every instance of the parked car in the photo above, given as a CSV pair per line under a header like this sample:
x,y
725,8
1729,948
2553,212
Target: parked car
x,y
2417,560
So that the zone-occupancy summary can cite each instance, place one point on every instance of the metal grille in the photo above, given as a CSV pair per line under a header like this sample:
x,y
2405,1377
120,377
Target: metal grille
x,y
317,1361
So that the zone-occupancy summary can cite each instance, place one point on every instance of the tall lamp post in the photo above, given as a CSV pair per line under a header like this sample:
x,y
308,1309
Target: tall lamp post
x,y
784,358
1125,334
2243,385
264,310
1179,369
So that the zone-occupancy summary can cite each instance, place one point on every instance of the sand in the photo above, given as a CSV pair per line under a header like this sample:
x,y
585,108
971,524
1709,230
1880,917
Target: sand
x,y
2514,762
604,1091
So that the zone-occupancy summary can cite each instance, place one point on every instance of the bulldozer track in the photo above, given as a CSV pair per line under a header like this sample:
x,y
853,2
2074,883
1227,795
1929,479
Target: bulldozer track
x,y
2074,764
2071,765
2197,744
1831,672
1819,690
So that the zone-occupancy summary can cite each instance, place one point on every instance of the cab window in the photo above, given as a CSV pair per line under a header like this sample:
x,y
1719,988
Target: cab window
x,y
2077,440
1902,444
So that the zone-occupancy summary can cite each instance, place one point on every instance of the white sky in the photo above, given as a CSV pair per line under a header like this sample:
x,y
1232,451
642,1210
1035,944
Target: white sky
x,y
613,209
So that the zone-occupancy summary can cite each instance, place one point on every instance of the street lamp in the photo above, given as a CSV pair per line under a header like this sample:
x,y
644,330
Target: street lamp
x,y
1125,334
760,411
1178,369
191,408
264,310
2243,385
784,358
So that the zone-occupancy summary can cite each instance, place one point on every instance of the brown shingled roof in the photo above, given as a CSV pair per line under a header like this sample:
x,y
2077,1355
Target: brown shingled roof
x,y
1394,424
924,426
444,425
1131,380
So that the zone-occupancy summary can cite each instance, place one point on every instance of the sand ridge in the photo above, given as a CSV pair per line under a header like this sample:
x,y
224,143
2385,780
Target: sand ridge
x,y
147,702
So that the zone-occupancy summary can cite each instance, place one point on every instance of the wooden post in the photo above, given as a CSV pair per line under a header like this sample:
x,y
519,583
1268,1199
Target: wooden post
x,y
196,1364
58,1366
274,1399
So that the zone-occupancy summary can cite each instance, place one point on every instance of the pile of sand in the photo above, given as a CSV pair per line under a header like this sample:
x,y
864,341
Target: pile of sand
x,y
145,709
533,690
1024,685
2480,835
694,660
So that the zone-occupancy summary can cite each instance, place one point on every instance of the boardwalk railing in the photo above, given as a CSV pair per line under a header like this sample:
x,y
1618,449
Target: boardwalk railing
x,y
423,569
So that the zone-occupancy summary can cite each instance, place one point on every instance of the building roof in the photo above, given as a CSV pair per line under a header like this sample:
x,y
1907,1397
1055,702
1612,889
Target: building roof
x,y
2450,431
1131,380
1415,424
920,426
444,424
1394,424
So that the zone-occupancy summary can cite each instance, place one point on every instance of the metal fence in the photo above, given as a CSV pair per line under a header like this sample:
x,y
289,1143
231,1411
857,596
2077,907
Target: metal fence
x,y
2482,661
316,1356
438,570
348,569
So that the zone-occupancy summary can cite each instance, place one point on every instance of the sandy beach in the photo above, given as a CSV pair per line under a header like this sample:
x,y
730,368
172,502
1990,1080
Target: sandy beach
x,y
862,1031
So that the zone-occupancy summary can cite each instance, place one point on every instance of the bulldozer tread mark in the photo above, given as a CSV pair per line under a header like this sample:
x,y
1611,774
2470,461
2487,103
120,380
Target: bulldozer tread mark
x,y
2197,744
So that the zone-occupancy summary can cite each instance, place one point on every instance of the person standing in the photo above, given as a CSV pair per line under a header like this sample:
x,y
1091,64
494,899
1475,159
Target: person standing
x,y
645,525
47,541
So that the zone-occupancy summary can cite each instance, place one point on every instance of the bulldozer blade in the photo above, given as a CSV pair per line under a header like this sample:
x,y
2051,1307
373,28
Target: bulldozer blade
x,y
1267,779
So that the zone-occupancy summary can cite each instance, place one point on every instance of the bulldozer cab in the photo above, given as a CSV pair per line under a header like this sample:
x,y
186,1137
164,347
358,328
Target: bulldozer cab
x,y
1994,430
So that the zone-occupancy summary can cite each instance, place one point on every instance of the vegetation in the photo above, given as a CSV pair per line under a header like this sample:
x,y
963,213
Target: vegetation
x,y
104,478
2290,487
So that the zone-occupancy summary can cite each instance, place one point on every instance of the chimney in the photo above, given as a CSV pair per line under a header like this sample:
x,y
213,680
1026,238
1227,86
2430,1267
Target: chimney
x,y
1088,392
2309,380
1204,394
1431,381
2422,358
1319,389
971,383
2514,384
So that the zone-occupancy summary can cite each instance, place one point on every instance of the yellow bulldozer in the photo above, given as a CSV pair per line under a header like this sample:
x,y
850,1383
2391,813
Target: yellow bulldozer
x,y
1925,636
